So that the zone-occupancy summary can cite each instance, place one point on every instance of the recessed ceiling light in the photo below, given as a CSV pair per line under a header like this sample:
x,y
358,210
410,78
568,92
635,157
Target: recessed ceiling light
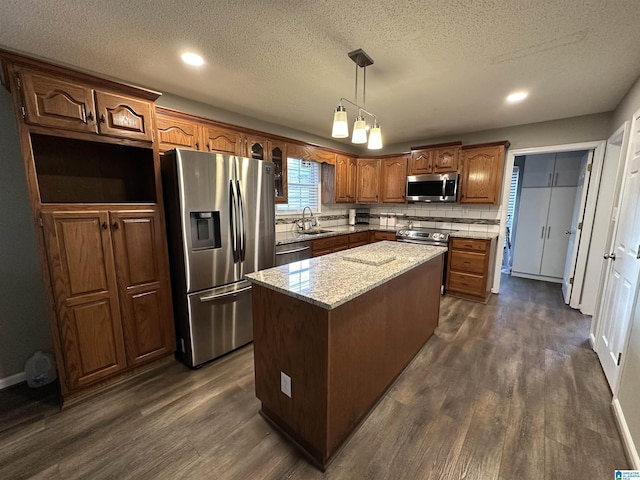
x,y
517,97
192,59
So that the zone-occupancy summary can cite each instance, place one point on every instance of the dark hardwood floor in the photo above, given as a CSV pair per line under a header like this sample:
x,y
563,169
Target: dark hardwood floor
x,y
508,390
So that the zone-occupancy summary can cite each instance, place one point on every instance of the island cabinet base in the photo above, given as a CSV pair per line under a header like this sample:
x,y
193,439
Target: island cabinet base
x,y
340,361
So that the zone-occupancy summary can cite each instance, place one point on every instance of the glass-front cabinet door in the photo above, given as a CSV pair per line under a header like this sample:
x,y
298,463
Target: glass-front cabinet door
x,y
279,159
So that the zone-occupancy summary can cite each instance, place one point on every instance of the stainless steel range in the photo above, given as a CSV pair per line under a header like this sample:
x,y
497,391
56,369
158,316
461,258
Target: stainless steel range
x,y
428,236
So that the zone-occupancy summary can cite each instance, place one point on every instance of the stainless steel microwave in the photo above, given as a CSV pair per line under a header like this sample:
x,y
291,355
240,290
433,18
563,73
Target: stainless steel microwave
x,y
433,188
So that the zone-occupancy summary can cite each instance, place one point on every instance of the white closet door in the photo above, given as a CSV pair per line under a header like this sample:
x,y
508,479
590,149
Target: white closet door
x,y
555,239
567,169
538,170
532,227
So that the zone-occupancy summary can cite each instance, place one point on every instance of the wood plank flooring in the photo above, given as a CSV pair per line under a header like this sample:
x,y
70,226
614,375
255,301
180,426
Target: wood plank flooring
x,y
506,390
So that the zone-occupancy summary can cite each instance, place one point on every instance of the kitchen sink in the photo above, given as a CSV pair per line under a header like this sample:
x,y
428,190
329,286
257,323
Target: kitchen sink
x,y
314,232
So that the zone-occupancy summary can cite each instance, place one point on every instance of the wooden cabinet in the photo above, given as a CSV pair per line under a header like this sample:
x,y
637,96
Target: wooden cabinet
x,y
309,152
381,235
431,159
482,170
178,133
51,101
339,181
219,139
111,290
181,130
470,268
358,239
279,158
322,246
94,183
393,179
368,174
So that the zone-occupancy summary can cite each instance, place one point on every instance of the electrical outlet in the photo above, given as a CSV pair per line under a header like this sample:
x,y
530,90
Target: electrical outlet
x,y
465,211
285,384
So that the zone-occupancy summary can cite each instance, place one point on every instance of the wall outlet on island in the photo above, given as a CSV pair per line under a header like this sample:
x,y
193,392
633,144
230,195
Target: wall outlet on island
x,y
285,384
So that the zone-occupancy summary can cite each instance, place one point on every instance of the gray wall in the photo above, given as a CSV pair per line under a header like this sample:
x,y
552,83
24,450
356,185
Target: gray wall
x,y
629,388
24,327
556,132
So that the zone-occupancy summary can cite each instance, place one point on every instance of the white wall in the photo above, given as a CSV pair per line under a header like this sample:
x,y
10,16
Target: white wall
x,y
24,326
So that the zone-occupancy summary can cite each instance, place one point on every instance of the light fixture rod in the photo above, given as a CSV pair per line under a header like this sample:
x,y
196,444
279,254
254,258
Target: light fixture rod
x,y
359,107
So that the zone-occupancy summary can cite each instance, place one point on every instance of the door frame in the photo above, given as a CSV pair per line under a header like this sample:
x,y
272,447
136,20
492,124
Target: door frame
x,y
598,148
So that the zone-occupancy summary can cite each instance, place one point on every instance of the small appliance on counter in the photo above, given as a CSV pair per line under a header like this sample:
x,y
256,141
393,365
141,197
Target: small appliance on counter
x,y
362,215
352,216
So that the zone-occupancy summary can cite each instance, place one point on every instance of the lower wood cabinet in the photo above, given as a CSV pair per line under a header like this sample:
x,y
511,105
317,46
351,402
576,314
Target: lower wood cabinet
x,y
380,236
470,268
110,285
322,246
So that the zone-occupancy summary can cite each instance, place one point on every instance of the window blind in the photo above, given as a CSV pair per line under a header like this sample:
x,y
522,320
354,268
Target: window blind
x,y
303,179
513,191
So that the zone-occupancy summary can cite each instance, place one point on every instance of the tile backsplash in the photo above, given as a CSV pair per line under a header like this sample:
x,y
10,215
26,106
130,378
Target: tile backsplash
x,y
467,218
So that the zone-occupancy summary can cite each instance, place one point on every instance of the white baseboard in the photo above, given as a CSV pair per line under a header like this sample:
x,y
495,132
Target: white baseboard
x,y
536,277
592,341
627,440
12,380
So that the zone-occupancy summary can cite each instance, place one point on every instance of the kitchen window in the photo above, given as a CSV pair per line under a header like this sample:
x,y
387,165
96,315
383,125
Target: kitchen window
x,y
303,177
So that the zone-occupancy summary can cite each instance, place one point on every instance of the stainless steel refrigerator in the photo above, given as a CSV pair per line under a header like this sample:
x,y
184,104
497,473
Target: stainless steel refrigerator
x,y
220,222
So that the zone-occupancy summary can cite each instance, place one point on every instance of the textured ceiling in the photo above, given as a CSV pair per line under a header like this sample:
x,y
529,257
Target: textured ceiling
x,y
441,67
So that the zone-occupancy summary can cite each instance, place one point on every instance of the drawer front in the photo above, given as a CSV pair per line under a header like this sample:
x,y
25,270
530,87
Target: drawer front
x,y
360,238
472,244
330,242
471,262
391,236
318,253
466,283
339,248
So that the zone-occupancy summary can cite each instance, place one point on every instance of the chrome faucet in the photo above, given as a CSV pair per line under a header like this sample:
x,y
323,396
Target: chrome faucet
x,y
312,220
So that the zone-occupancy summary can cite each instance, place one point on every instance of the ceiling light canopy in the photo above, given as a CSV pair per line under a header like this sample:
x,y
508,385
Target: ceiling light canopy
x,y
516,97
360,128
191,58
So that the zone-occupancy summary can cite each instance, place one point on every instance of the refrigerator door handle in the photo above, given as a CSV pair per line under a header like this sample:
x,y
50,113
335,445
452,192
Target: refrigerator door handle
x,y
243,238
220,296
233,221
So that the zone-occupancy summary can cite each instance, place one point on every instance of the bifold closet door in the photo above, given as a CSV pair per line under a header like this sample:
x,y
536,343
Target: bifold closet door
x,y
558,222
532,229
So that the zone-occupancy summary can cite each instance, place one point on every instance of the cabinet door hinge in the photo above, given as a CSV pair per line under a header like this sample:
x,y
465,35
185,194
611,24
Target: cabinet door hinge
x,y
580,226
18,81
571,281
619,358
40,222
23,112
589,167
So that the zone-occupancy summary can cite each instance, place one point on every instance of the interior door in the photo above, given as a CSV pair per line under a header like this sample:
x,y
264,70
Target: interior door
x,y
574,232
623,268
555,239
532,227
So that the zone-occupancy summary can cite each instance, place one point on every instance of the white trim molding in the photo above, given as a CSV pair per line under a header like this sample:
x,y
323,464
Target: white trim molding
x,y
627,441
12,380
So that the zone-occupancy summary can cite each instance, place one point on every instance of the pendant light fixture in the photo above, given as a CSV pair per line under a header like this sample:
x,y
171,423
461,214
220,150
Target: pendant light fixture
x,y
341,124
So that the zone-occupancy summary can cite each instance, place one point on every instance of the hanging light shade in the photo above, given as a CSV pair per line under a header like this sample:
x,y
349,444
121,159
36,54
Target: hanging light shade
x,y
375,137
360,127
359,130
340,124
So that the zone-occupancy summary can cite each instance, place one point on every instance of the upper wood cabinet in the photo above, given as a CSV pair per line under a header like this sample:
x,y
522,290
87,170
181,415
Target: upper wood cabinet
x,y
482,170
368,173
443,158
255,147
279,158
393,179
219,139
55,102
309,152
178,133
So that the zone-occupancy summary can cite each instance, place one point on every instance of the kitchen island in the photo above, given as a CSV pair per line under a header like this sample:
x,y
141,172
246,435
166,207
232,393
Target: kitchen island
x,y
332,333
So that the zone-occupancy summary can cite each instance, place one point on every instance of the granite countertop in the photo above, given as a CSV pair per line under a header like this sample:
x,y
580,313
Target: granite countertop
x,y
331,280
282,238
478,235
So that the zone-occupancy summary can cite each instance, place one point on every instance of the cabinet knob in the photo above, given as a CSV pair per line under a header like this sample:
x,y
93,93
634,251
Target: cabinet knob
x,y
115,226
90,117
102,118
105,225
197,145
